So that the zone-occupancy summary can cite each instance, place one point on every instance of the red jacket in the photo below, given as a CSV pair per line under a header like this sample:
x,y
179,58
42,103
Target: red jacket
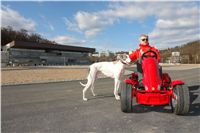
x,y
143,48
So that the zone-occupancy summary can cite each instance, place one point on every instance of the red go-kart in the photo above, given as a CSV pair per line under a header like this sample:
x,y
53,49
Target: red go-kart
x,y
154,88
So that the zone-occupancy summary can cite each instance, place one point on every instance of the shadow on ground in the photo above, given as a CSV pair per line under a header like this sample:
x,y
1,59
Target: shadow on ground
x,y
194,101
102,96
194,92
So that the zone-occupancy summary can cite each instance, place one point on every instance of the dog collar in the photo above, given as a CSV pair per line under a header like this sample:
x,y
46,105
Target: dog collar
x,y
123,62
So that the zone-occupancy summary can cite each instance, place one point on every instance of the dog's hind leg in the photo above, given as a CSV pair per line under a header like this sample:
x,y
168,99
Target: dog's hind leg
x,y
92,89
85,89
88,85
90,81
117,84
93,81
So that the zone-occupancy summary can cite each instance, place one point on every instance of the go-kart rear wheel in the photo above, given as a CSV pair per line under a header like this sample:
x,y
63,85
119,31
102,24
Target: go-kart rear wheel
x,y
126,98
181,103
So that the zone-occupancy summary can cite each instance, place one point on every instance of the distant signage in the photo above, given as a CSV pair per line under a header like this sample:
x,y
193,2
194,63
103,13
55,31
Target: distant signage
x,y
175,53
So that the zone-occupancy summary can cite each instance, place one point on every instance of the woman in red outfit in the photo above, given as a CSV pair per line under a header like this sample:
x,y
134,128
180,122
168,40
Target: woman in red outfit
x,y
143,47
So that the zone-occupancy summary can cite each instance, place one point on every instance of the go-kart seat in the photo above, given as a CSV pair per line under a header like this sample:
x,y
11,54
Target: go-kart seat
x,y
139,65
139,70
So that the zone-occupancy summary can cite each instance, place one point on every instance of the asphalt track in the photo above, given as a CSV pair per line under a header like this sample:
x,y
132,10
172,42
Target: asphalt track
x,y
59,108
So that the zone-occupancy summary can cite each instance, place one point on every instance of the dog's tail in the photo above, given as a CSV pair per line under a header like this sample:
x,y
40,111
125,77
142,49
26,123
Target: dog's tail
x,y
83,84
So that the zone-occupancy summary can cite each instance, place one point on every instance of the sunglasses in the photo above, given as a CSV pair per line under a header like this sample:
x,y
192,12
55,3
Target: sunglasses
x,y
145,39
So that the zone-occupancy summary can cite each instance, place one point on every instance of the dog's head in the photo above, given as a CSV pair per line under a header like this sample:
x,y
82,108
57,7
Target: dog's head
x,y
124,58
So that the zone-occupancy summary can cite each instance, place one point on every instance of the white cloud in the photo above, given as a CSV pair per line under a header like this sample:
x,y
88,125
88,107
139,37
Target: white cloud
x,y
71,26
91,23
69,40
177,27
47,23
51,26
128,10
12,18
176,22
92,32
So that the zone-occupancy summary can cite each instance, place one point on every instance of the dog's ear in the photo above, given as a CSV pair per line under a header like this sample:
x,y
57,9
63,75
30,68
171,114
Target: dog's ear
x,y
124,56
114,58
119,57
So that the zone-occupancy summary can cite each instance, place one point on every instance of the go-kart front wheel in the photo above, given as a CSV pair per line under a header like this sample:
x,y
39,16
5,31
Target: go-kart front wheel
x,y
126,98
181,102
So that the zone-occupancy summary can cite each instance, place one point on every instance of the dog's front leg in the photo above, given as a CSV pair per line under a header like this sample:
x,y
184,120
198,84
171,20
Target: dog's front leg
x,y
88,85
92,89
93,81
117,83
84,91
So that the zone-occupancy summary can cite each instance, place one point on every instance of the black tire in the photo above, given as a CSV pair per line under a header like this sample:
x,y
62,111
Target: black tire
x,y
126,98
171,105
181,104
122,84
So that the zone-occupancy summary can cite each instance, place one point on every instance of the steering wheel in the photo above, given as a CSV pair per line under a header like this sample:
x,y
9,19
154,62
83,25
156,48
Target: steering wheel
x,y
149,51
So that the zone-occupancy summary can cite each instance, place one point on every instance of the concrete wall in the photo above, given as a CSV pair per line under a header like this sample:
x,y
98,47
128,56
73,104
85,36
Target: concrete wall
x,y
4,58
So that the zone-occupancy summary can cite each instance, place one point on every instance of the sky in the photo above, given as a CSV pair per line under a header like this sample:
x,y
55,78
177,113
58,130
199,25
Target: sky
x,y
106,25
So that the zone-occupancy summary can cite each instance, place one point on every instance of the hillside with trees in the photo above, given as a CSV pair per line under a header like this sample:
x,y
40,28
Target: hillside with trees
x,y
8,35
189,53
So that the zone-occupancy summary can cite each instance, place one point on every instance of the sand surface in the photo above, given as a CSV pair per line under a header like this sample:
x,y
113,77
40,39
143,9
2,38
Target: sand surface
x,y
40,75
27,75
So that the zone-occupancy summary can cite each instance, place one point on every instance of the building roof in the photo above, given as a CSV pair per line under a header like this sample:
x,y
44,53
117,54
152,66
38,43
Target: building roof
x,y
43,46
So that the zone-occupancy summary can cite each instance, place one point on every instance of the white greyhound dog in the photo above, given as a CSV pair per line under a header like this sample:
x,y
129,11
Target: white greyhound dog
x,y
113,70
